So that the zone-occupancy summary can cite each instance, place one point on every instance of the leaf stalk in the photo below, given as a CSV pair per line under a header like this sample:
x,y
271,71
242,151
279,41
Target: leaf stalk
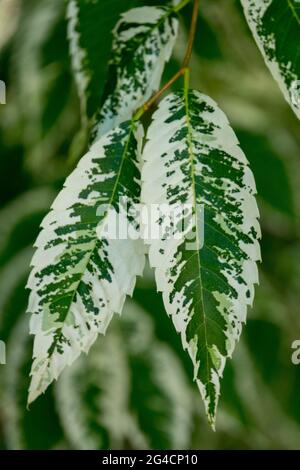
x,y
184,69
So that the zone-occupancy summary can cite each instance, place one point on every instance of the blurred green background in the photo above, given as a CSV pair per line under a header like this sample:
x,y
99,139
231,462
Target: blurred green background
x,y
135,389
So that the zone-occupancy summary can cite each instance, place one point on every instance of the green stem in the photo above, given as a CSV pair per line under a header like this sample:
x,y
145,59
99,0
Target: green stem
x,y
186,79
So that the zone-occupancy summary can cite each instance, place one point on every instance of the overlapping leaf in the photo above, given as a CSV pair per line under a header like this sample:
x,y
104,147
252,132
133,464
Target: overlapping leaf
x,y
143,41
275,25
81,277
192,157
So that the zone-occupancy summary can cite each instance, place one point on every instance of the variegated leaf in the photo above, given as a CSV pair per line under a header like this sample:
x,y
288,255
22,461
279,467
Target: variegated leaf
x,y
192,157
275,25
131,388
80,276
143,41
90,51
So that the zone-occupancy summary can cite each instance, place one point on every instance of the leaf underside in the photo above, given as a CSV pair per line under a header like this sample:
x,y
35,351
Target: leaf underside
x,y
192,157
80,278
275,25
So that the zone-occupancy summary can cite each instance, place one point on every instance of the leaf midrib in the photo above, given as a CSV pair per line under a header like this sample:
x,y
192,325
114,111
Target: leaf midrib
x,y
192,174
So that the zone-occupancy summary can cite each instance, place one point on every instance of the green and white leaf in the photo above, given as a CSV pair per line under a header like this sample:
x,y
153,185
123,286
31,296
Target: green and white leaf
x,y
80,277
192,157
143,42
131,388
275,25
